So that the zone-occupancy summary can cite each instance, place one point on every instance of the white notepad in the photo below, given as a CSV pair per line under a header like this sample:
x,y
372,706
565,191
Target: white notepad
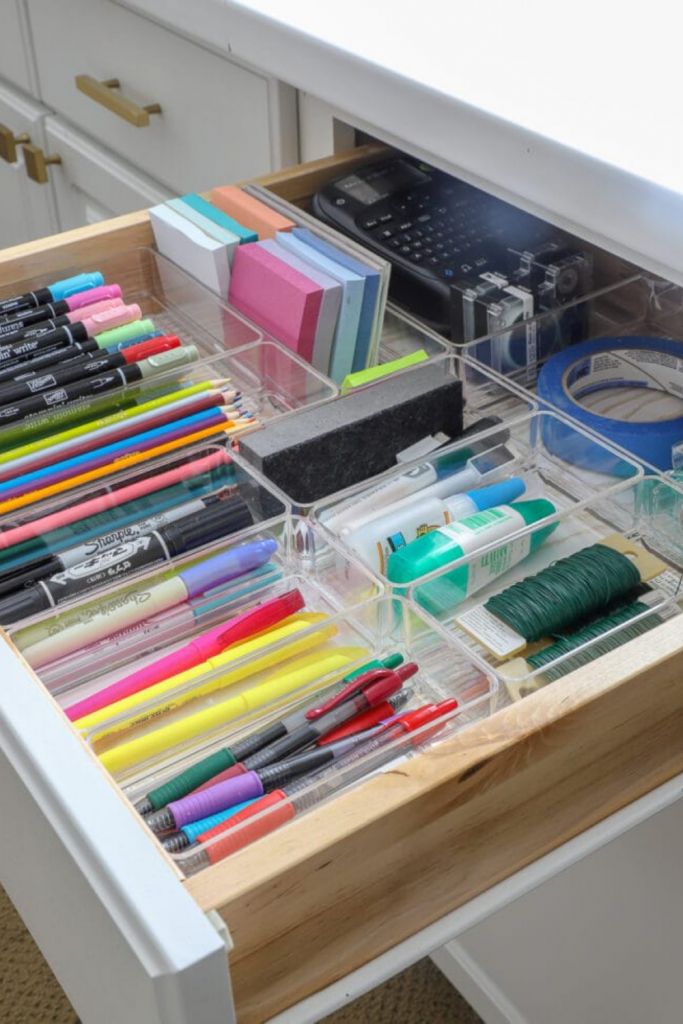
x,y
191,249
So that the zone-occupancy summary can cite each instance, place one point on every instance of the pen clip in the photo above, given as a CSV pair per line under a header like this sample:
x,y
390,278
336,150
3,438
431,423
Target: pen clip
x,y
352,689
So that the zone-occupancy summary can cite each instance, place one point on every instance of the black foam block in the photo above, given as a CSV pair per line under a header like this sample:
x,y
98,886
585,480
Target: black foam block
x,y
315,452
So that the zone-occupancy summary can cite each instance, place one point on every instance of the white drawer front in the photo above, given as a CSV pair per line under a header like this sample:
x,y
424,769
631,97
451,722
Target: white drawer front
x,y
91,184
214,124
16,57
27,210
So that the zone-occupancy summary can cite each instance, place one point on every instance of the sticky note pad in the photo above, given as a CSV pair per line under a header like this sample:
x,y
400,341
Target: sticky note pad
x,y
250,211
211,211
276,297
346,334
220,234
187,246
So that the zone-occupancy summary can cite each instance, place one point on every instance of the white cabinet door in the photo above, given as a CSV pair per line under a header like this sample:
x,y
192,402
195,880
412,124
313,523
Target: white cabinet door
x,y
17,64
91,183
27,210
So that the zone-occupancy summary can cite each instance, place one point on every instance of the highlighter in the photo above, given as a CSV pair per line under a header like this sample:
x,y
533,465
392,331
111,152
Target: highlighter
x,y
46,640
179,689
312,669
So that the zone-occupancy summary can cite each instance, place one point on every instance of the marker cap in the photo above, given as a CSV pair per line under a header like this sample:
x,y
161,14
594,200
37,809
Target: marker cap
x,y
143,349
72,285
109,318
129,332
226,566
169,360
90,295
497,494
218,520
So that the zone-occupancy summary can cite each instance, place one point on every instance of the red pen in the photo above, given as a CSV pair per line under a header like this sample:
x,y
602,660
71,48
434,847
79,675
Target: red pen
x,y
203,647
284,804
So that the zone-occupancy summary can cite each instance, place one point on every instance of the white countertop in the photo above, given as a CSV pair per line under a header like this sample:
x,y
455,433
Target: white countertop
x,y
571,111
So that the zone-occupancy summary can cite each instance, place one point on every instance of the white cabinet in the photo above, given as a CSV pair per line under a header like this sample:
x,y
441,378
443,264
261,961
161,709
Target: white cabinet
x,y
16,51
91,183
27,210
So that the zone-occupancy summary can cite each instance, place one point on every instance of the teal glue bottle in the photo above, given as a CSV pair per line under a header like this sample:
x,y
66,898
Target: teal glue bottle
x,y
457,540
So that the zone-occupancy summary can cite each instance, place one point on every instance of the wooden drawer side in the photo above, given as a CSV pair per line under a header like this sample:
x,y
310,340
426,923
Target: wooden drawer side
x,y
353,878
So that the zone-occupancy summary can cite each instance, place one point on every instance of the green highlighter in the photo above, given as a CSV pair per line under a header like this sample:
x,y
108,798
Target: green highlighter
x,y
372,373
225,758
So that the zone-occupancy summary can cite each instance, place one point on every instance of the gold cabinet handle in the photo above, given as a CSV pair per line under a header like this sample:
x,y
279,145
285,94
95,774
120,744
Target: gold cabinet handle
x,y
9,142
36,163
104,94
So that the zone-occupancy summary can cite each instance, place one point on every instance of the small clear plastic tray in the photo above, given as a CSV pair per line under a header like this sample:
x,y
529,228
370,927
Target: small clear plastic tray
x,y
555,458
648,512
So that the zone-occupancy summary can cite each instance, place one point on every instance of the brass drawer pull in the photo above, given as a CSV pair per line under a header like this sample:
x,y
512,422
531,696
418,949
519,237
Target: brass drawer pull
x,y
36,163
103,93
9,142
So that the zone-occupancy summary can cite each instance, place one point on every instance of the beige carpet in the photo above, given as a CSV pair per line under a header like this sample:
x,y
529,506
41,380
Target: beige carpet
x,y
30,994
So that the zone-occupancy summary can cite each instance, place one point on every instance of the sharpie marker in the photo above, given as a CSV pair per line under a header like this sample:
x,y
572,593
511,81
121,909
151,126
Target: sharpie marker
x,y
52,292
69,334
129,557
369,689
283,804
9,333
201,649
99,619
50,310
94,386
30,573
227,757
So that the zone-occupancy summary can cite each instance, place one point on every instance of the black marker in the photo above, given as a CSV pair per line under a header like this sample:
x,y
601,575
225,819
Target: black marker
x,y
119,563
95,386
89,326
54,292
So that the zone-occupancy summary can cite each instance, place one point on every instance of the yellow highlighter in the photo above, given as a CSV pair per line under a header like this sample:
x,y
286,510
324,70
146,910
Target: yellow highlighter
x,y
178,690
313,668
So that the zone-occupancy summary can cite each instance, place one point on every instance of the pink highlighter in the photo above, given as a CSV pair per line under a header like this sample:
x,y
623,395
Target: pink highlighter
x,y
207,645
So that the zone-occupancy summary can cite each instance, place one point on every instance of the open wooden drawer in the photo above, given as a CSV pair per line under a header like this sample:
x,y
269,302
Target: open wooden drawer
x,y
126,934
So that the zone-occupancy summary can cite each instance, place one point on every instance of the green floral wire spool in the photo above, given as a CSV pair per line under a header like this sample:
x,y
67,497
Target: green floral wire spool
x,y
594,632
571,591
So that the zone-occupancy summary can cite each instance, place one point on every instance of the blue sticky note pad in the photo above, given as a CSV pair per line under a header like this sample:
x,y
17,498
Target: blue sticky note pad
x,y
210,227
346,333
218,217
370,295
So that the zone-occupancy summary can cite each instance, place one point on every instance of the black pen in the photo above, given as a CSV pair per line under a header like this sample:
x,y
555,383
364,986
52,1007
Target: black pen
x,y
95,386
121,562
51,293
89,364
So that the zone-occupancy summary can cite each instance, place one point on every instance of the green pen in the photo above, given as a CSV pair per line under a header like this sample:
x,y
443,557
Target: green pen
x,y
221,760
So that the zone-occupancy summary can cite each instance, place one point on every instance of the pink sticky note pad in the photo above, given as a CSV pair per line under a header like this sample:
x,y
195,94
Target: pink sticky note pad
x,y
278,298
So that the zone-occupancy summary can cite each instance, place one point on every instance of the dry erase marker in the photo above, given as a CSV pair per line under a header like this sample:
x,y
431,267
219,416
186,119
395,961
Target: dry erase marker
x,y
368,690
26,575
130,556
61,306
99,619
52,292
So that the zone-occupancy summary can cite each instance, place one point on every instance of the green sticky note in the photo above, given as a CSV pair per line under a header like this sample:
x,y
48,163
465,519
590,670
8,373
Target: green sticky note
x,y
361,377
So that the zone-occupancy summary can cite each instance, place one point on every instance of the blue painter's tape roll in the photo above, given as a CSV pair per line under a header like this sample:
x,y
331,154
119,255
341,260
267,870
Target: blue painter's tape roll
x,y
610,364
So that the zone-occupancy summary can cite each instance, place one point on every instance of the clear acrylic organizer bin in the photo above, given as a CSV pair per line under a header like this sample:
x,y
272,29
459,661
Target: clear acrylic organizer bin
x,y
230,477
445,671
648,512
555,458
274,379
329,586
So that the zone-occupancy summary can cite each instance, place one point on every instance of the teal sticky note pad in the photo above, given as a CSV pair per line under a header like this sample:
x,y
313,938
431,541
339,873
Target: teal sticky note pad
x,y
206,208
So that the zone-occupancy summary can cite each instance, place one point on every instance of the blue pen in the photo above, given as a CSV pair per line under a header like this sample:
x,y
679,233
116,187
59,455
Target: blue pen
x,y
52,293
190,833
101,456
